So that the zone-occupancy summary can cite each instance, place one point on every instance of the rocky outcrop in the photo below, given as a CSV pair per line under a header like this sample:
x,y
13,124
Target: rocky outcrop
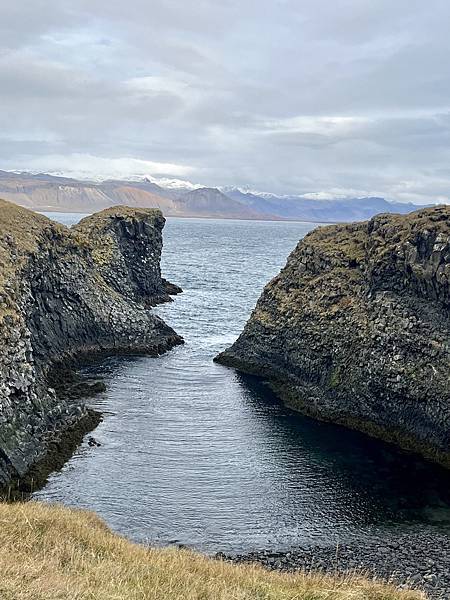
x,y
67,294
127,247
356,329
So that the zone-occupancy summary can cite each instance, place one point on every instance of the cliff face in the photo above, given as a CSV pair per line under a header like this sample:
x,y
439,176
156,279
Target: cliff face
x,y
64,294
127,245
356,329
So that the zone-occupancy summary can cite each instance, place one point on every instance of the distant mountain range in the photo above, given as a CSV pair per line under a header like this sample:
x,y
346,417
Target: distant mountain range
x,y
43,192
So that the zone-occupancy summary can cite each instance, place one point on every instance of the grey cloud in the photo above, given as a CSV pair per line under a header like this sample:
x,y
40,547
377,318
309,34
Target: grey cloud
x,y
234,90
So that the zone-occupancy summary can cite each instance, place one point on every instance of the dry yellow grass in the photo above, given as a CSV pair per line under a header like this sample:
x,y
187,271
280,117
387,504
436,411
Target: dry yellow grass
x,y
53,553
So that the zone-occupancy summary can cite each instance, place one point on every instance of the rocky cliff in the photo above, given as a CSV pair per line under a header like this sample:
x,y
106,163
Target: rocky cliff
x,y
65,294
356,329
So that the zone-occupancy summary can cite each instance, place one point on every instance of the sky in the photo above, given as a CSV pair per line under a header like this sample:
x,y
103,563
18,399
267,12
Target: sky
x,y
324,97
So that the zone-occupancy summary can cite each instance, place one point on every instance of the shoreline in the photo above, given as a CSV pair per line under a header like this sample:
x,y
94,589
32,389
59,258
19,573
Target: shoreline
x,y
47,211
60,448
418,560
70,296
286,392
62,442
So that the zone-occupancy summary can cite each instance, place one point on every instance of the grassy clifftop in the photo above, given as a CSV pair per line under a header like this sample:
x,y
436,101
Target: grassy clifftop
x,y
101,219
20,230
53,553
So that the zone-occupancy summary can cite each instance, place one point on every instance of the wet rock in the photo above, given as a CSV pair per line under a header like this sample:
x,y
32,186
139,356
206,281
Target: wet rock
x,y
171,288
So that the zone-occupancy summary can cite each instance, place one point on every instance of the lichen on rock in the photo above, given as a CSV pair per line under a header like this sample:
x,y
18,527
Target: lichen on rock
x,y
58,303
356,329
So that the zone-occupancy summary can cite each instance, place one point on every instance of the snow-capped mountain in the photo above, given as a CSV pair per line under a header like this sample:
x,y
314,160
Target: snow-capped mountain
x,y
179,197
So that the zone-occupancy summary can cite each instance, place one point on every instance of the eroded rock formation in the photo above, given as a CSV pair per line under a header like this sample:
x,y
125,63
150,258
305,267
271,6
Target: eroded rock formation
x,y
65,294
356,329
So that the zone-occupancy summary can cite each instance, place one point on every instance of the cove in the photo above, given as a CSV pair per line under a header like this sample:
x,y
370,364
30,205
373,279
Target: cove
x,y
194,453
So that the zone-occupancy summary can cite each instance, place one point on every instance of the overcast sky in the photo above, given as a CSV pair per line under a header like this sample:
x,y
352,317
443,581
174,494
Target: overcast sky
x,y
291,96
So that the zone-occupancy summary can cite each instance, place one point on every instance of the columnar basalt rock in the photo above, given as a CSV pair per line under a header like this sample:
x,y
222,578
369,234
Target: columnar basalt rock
x,y
67,294
127,250
356,329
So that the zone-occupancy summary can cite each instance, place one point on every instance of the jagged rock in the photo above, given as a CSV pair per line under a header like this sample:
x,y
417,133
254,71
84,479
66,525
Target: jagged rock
x,y
66,294
127,252
356,329
171,289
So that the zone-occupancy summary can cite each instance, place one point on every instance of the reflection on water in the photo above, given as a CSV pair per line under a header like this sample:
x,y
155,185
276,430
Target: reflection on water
x,y
195,453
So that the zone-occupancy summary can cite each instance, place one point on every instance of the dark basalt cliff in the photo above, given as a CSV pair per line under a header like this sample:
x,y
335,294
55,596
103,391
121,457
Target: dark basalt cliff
x,y
356,329
67,294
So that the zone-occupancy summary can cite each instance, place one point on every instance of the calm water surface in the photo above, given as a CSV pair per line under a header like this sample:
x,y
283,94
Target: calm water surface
x,y
195,453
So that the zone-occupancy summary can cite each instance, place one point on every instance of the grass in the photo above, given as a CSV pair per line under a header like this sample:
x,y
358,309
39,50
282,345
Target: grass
x,y
20,230
345,241
54,553
96,222
353,242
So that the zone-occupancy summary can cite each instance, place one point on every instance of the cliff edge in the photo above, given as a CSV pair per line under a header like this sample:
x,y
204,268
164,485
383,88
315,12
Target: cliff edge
x,y
356,329
64,294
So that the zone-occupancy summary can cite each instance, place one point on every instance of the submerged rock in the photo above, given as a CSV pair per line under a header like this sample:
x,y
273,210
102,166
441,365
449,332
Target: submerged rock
x,y
356,329
67,294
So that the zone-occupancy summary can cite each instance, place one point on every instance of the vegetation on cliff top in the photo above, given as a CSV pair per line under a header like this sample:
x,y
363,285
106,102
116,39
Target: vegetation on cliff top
x,y
53,553
22,233
97,220
348,241
20,230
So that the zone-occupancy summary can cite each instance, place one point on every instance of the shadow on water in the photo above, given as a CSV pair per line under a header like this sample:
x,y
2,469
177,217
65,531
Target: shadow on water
x,y
390,484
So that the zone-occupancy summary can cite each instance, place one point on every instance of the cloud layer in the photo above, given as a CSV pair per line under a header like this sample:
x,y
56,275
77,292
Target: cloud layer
x,y
291,96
